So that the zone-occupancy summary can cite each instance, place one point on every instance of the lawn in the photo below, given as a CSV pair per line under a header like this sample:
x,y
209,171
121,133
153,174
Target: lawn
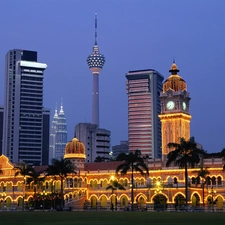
x,y
111,218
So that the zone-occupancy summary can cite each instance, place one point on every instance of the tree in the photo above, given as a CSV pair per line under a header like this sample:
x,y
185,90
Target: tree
x,y
24,170
203,173
61,168
37,179
114,186
99,159
185,154
135,162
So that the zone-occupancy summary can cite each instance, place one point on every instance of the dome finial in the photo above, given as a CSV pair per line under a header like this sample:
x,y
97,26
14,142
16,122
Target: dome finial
x,y
174,69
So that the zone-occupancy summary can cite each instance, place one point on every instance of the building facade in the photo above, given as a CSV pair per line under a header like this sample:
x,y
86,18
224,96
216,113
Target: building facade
x,y
23,107
58,136
96,141
144,128
1,127
123,147
174,116
87,189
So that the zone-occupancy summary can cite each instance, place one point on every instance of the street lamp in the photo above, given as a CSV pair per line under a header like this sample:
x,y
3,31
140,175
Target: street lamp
x,y
212,192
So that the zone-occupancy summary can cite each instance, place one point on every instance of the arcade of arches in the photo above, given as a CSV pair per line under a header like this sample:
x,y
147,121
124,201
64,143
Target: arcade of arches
x,y
163,189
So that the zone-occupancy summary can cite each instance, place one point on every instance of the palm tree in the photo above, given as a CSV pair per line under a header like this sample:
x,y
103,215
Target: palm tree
x,y
135,162
186,153
36,178
61,168
24,170
203,173
114,186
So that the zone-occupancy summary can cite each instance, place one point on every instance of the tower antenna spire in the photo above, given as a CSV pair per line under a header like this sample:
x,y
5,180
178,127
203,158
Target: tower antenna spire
x,y
95,28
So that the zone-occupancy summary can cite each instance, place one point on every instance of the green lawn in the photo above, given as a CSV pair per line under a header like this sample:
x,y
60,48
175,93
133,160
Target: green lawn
x,y
111,218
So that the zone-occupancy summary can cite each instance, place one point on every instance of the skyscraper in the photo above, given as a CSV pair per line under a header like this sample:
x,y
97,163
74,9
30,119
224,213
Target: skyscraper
x,y
144,128
95,63
58,136
53,136
61,134
23,107
96,141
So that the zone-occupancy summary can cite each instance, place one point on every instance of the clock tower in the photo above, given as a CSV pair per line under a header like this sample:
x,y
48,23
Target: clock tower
x,y
175,117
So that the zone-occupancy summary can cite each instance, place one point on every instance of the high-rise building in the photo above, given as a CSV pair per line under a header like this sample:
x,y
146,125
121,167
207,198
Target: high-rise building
x,y
53,136
95,140
144,128
123,147
45,136
175,116
58,136
23,107
95,63
1,126
61,134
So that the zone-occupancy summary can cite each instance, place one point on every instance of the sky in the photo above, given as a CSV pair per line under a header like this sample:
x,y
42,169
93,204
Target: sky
x,y
132,35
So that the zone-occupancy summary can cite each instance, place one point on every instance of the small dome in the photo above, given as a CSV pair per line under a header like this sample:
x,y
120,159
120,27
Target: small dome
x,y
174,81
75,147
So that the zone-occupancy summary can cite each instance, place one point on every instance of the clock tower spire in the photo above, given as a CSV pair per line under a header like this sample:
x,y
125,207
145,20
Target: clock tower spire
x,y
175,117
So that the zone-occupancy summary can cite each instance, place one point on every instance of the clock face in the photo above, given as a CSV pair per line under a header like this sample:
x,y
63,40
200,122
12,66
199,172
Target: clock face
x,y
184,106
170,105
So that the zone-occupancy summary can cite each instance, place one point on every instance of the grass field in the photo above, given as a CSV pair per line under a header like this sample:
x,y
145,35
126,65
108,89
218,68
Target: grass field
x,y
111,218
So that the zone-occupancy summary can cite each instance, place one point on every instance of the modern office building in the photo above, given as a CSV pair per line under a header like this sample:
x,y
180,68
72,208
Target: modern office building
x,y
58,136
96,141
144,128
45,136
1,126
95,63
61,134
24,116
123,147
53,136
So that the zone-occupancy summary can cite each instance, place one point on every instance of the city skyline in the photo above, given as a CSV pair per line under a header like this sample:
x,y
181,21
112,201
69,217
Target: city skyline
x,y
134,36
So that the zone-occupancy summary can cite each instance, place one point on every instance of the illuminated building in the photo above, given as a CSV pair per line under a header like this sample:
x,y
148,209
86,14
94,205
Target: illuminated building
x,y
23,107
163,189
53,136
96,140
175,117
61,134
58,136
144,128
95,63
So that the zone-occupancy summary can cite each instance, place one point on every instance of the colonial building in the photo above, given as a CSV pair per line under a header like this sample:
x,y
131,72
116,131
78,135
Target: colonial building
x,y
162,189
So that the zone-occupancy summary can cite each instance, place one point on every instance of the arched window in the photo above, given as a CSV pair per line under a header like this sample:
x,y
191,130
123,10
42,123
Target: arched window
x,y
208,179
193,180
219,181
175,180
213,180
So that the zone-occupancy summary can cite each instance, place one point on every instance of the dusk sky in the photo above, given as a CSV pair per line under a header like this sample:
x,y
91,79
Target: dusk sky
x,y
132,35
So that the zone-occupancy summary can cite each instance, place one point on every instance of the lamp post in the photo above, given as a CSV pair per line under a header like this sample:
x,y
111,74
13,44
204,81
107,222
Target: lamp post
x,y
212,192
3,196
43,195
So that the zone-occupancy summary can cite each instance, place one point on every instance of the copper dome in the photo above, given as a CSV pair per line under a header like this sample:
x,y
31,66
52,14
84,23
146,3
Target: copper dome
x,y
174,81
75,147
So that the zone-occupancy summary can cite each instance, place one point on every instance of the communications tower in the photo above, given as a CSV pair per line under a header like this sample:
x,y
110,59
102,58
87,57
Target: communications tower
x,y
95,63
